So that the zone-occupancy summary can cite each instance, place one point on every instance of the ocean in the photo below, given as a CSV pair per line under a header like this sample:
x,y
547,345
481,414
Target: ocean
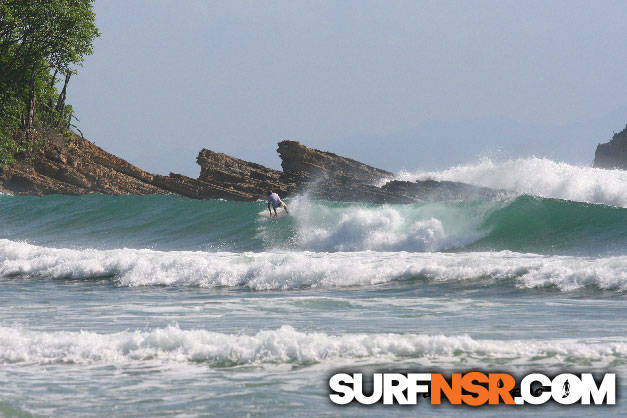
x,y
161,305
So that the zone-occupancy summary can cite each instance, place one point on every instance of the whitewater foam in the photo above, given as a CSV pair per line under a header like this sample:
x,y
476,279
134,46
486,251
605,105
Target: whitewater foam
x,y
432,227
539,177
304,269
287,345
382,229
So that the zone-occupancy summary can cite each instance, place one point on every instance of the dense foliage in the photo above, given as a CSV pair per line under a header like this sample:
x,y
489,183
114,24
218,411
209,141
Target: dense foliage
x,y
42,42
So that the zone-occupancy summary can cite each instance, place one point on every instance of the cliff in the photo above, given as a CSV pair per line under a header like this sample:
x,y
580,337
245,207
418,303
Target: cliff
x,y
612,154
80,167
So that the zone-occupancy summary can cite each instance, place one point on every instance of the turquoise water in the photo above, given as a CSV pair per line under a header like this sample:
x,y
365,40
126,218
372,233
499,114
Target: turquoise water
x,y
144,305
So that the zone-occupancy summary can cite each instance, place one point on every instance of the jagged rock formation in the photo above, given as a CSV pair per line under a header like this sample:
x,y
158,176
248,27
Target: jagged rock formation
x,y
321,174
250,178
306,164
612,154
325,175
80,167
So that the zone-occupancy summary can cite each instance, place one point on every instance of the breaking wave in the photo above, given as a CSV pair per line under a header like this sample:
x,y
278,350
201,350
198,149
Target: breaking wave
x,y
319,226
523,224
516,223
539,177
304,269
287,345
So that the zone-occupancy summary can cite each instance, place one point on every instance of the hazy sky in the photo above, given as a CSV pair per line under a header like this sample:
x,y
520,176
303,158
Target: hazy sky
x,y
399,84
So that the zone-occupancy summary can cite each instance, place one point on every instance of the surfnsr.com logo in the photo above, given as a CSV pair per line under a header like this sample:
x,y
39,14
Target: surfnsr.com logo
x,y
473,389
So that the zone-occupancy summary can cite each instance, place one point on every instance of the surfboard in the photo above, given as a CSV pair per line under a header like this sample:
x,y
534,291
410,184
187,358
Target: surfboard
x,y
280,213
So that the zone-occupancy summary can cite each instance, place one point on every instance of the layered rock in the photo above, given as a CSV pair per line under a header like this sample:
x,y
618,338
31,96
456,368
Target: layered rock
x,y
324,175
76,168
328,176
251,179
612,154
320,174
80,167
307,164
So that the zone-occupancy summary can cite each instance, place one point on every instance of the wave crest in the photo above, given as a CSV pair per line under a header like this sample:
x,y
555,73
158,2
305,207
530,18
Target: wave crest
x,y
539,177
287,345
298,269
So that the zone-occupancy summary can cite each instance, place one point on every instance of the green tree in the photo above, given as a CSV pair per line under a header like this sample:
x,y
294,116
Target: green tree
x,y
39,40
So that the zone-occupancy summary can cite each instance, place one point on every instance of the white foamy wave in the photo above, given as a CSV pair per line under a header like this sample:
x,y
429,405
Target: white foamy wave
x,y
287,345
384,228
368,229
539,177
303,269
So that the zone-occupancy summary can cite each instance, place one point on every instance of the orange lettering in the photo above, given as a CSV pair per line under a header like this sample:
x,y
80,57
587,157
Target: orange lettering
x,y
481,391
453,392
502,391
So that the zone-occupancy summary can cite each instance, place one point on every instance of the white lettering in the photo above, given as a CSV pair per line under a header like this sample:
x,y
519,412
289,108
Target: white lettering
x,y
606,388
525,389
377,389
344,394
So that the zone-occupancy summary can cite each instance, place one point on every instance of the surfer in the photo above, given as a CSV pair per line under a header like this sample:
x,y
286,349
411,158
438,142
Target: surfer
x,y
566,389
275,201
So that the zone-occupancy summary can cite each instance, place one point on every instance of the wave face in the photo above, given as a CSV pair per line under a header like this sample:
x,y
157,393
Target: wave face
x,y
524,224
540,225
519,223
538,177
298,270
286,345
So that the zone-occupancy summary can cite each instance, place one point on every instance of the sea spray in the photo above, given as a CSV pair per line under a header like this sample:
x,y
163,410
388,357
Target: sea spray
x,y
538,177
320,226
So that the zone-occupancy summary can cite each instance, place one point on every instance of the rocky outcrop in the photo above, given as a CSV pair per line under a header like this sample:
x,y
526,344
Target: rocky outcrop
x,y
306,164
324,175
320,174
76,168
80,167
612,154
251,179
